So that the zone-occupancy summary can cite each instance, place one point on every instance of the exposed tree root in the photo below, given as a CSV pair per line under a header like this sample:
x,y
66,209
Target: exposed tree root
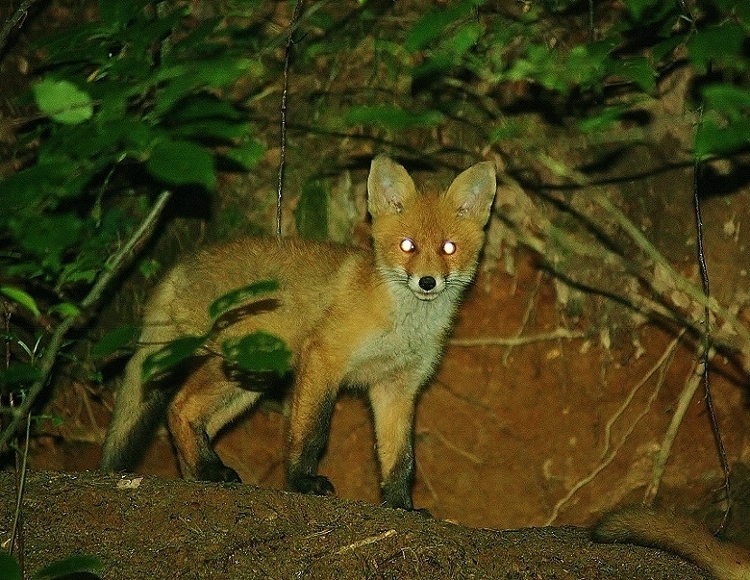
x,y
660,461
609,455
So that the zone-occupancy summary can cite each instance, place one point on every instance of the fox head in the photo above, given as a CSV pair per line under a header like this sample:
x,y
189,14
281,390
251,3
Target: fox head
x,y
428,242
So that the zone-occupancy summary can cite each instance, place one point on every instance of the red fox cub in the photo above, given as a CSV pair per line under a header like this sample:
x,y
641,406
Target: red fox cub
x,y
677,534
375,320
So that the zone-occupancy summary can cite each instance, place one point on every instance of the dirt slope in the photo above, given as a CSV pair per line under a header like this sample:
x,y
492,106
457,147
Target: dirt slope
x,y
156,528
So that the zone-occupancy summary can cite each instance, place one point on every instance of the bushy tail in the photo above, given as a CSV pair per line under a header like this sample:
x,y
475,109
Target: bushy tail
x,y
137,414
681,535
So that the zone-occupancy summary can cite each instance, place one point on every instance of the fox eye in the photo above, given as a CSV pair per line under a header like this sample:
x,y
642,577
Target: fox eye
x,y
407,246
449,248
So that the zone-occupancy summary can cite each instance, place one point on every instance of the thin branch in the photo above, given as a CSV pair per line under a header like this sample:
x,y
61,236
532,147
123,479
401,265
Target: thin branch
x,y
366,542
113,267
16,20
284,92
680,283
16,533
703,267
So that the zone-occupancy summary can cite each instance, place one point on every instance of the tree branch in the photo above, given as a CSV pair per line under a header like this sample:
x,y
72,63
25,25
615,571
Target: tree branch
x,y
112,268
16,20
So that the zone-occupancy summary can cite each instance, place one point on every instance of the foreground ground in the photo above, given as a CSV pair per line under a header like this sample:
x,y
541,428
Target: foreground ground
x,y
156,528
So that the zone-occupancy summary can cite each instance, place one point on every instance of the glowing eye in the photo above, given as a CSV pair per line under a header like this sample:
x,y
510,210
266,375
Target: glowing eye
x,y
407,246
449,248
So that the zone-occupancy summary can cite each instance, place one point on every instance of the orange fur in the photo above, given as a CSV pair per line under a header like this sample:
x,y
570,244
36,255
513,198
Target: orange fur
x,y
370,319
678,534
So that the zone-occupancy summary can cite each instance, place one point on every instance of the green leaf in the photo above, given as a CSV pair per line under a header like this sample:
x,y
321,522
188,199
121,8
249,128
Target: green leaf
x,y
66,310
259,352
433,24
666,48
114,340
507,129
731,100
603,120
391,117
182,163
722,44
170,356
714,139
23,298
235,298
311,215
184,78
639,71
118,13
49,237
247,155
149,267
68,567
465,37
19,374
63,101
10,569
638,8
740,8
205,107
218,129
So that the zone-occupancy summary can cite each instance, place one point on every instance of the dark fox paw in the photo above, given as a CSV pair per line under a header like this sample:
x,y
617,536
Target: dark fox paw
x,y
313,484
217,471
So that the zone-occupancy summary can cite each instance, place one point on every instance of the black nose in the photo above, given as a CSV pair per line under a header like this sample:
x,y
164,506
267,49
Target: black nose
x,y
427,283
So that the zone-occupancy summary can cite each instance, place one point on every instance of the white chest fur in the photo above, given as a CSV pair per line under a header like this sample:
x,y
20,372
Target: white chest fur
x,y
411,345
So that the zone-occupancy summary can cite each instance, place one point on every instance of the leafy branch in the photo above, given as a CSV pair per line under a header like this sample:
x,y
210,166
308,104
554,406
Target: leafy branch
x,y
114,267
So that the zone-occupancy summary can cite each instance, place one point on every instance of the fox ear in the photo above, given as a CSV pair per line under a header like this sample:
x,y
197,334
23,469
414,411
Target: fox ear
x,y
472,192
389,187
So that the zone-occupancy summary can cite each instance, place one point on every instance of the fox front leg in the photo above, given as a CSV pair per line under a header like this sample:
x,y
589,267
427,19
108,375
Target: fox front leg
x,y
393,413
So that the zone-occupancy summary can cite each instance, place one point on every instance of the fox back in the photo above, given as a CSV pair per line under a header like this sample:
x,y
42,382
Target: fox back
x,y
370,319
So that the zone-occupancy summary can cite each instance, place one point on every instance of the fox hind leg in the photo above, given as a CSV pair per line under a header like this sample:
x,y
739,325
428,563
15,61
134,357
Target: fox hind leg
x,y
307,440
312,403
206,403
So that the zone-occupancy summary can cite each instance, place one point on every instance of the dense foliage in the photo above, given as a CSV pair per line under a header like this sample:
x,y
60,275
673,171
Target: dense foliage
x,y
140,101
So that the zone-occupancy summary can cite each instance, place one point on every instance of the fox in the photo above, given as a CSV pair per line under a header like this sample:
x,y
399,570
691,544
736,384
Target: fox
x,y
674,533
373,319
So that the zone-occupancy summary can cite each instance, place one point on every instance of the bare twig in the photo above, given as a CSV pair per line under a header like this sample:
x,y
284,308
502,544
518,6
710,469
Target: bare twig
x,y
680,283
366,541
284,92
16,533
15,20
703,267
113,267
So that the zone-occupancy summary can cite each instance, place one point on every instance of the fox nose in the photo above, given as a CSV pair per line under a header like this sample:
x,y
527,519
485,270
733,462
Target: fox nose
x,y
427,283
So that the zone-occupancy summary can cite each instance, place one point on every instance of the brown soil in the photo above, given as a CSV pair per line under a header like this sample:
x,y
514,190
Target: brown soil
x,y
156,528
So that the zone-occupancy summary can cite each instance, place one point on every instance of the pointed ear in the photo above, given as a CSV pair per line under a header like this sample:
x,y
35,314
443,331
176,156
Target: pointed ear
x,y
472,192
389,187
